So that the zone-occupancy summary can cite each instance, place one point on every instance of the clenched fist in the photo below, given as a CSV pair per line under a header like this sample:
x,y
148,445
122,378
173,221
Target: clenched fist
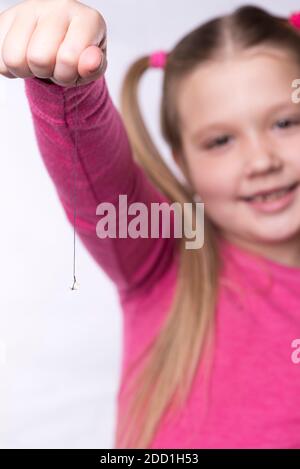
x,y
61,40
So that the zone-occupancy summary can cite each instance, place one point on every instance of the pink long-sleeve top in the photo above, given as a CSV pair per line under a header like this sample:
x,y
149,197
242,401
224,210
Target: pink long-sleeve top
x,y
254,399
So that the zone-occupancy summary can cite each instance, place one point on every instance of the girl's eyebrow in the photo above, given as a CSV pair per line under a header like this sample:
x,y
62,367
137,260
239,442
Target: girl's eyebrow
x,y
282,105
205,128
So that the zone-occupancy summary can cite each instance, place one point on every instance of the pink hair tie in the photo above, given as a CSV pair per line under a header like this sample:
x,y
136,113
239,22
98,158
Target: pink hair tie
x,y
158,59
294,19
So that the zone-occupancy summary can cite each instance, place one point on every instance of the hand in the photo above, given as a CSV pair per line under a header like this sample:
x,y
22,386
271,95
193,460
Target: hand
x,y
61,40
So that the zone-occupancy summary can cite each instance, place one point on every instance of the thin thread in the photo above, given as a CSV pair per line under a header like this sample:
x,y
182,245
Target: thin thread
x,y
75,157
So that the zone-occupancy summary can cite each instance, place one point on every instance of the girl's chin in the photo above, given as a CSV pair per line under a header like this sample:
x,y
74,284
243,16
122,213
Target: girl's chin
x,y
275,227
268,231
280,235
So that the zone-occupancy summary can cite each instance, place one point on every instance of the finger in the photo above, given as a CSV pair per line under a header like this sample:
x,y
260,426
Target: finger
x,y
15,45
93,74
45,43
6,21
83,32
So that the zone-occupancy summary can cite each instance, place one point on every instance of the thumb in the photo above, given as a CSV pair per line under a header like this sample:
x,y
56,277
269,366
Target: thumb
x,y
91,61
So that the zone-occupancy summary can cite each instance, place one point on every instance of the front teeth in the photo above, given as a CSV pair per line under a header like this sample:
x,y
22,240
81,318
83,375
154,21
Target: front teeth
x,y
272,196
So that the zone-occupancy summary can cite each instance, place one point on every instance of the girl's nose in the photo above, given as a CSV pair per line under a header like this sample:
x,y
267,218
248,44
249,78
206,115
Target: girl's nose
x,y
262,157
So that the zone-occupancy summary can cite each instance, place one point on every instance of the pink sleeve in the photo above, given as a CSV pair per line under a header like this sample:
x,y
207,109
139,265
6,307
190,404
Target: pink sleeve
x,y
105,169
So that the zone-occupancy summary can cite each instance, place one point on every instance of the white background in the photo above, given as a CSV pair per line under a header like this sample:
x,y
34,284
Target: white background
x,y
60,350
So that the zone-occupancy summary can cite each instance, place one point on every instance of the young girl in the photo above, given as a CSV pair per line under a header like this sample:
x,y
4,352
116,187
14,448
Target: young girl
x,y
208,332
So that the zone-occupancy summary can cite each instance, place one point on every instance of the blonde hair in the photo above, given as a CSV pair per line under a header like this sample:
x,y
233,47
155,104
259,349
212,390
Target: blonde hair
x,y
164,381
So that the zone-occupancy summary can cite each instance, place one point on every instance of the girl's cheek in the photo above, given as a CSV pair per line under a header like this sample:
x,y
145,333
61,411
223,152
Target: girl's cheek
x,y
213,188
214,178
289,151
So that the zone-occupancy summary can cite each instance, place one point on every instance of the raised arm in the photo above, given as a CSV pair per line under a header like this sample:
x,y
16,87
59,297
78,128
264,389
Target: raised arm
x,y
64,43
105,169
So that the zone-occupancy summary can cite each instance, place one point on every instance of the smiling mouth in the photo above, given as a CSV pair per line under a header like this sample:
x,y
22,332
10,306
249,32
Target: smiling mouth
x,y
272,195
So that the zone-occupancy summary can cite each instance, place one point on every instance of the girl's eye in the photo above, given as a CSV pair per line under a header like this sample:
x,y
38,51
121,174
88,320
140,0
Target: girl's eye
x,y
218,142
287,123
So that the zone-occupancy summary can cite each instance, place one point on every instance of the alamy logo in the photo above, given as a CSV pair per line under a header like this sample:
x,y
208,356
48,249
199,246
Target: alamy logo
x,y
139,225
